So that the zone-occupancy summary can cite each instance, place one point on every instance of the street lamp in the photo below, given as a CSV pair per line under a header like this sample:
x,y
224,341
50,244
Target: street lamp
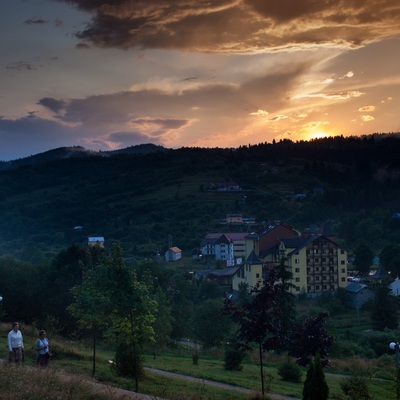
x,y
395,346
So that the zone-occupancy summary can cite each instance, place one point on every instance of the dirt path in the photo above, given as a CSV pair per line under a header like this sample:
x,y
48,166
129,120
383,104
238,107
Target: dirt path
x,y
215,384
122,394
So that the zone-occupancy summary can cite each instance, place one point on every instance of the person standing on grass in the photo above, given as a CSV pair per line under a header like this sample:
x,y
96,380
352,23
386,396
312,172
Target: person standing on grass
x,y
15,345
42,348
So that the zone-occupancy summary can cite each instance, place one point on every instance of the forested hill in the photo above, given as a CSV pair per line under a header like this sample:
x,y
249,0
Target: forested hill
x,y
142,199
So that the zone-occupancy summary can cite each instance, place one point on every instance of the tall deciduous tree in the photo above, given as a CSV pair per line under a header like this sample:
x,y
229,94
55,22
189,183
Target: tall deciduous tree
x,y
134,310
260,319
110,296
210,325
363,258
310,345
92,303
311,338
390,258
66,271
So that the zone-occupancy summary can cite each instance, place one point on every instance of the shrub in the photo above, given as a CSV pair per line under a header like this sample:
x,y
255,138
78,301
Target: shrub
x,y
233,359
195,357
356,385
127,362
289,371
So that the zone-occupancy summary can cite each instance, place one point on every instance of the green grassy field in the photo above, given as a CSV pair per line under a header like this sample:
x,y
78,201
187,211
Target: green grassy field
x,y
75,357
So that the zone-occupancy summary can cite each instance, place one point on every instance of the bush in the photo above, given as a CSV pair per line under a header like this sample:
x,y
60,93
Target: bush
x,y
233,359
195,357
126,363
356,385
291,372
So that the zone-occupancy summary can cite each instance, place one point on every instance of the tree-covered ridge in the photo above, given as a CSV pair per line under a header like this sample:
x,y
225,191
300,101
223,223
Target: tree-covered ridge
x,y
139,200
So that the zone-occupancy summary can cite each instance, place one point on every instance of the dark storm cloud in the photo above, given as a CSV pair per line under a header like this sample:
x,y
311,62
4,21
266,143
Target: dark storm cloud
x,y
31,135
125,139
52,104
237,25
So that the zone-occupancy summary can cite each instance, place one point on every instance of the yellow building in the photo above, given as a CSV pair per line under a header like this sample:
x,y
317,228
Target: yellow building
x,y
317,263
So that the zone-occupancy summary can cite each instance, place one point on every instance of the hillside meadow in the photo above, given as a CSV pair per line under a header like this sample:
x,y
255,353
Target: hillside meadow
x,y
74,357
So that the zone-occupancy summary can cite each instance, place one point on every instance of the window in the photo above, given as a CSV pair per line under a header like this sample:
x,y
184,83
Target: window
x,y
317,287
343,270
308,261
297,279
297,270
341,251
342,262
324,287
324,277
343,279
296,261
257,275
308,288
317,278
317,260
332,287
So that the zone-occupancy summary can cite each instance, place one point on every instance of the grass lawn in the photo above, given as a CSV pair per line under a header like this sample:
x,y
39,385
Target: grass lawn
x,y
76,357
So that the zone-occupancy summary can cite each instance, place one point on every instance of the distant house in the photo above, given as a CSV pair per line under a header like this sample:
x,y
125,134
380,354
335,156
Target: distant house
x,y
173,254
234,219
223,246
222,276
358,294
96,241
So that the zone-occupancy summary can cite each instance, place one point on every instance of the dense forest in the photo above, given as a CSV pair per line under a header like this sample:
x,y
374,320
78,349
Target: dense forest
x,y
145,198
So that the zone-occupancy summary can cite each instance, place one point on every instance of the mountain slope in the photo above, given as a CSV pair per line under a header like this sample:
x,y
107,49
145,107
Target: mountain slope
x,y
141,200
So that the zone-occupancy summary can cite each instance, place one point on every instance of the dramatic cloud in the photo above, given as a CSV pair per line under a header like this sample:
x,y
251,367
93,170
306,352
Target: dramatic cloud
x,y
109,74
238,25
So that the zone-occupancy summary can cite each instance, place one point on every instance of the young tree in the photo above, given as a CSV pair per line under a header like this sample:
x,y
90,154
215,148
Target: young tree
x,y
310,346
66,271
311,338
92,303
260,319
315,386
134,310
285,298
163,320
111,298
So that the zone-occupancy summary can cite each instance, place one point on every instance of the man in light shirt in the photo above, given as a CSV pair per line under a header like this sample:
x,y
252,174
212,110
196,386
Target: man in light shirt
x,y
15,344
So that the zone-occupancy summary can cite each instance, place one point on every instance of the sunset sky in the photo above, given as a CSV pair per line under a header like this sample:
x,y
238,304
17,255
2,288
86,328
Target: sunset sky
x,y
207,73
